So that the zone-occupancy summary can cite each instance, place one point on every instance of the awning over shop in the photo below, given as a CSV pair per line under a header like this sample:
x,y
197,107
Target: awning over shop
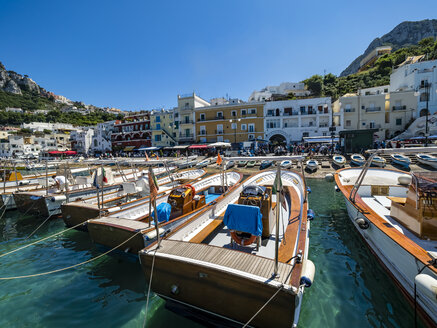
x,y
220,144
198,147
181,147
320,140
129,148
67,152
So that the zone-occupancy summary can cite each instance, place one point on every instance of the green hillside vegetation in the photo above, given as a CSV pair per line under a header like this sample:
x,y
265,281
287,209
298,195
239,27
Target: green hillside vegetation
x,y
56,116
28,101
377,75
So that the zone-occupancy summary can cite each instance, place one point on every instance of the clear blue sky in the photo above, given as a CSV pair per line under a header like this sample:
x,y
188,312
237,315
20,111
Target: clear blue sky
x,y
140,54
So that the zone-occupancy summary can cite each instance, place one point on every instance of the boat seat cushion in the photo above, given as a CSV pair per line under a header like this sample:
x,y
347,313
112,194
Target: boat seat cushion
x,y
163,210
244,218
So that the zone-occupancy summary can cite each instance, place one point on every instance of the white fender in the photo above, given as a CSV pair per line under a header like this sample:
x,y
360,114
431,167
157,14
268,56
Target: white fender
x,y
24,182
59,198
113,209
405,179
152,234
427,286
308,272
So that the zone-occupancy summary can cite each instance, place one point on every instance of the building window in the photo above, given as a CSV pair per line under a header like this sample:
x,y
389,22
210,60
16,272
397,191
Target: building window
x,y
187,119
305,134
158,137
202,116
158,118
220,115
203,139
243,112
251,137
302,109
234,113
324,134
270,112
423,96
251,127
219,129
372,125
252,111
399,121
158,126
234,126
348,122
243,127
220,138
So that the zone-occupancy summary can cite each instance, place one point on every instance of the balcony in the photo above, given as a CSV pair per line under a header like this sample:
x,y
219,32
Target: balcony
x,y
186,122
349,110
202,133
373,109
293,113
399,107
186,136
313,112
218,132
323,125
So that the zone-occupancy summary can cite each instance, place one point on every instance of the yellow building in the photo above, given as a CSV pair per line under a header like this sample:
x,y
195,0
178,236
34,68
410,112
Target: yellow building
x,y
233,122
163,128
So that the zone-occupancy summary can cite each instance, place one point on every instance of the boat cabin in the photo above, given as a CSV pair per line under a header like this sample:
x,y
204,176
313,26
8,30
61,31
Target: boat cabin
x,y
418,210
184,200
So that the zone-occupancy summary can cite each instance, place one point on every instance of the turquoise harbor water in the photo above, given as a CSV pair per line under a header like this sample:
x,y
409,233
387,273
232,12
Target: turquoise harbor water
x,y
350,288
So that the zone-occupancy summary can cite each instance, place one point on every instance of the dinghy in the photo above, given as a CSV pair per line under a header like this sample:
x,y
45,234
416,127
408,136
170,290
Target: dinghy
x,y
184,202
135,192
378,161
401,160
427,159
242,163
221,263
286,164
358,159
251,163
312,165
339,160
203,164
265,164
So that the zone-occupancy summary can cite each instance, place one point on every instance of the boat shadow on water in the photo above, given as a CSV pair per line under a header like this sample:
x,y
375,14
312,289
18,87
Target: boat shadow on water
x,y
351,289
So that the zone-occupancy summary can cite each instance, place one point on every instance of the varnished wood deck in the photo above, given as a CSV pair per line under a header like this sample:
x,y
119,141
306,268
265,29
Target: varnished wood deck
x,y
241,261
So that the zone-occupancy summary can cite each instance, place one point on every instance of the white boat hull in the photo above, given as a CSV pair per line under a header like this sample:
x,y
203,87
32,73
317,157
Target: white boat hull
x,y
400,264
426,162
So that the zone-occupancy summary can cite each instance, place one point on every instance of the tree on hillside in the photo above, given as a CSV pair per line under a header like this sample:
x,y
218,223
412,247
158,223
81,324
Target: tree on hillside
x,y
315,85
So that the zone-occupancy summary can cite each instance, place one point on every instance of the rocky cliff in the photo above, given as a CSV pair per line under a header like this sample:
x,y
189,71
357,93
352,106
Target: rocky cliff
x,y
405,34
16,83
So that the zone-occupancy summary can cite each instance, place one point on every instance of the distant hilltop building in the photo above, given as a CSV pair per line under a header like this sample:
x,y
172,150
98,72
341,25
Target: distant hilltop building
x,y
284,89
373,56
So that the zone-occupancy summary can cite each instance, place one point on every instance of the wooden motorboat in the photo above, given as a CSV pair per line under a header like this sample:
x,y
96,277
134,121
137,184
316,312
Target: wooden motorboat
x,y
378,161
339,160
134,192
203,163
265,164
401,160
286,164
251,163
185,201
358,159
47,203
242,163
213,266
427,159
229,164
396,214
312,165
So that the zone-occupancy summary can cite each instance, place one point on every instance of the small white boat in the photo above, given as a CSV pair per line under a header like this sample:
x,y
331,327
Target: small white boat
x,y
358,159
242,163
339,160
286,164
401,160
312,165
427,160
203,164
378,161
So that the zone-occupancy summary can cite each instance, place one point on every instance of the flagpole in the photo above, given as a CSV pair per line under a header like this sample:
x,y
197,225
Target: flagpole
x,y
102,183
96,184
153,193
278,204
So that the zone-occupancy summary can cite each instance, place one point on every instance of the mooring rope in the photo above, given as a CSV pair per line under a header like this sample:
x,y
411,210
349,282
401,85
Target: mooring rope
x,y
39,226
150,284
40,240
71,266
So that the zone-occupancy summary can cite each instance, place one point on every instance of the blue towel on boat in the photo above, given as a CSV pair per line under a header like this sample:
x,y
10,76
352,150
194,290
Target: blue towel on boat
x,y
244,218
163,210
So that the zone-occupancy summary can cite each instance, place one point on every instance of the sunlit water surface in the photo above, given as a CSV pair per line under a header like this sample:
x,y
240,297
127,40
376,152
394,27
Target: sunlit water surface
x,y
350,288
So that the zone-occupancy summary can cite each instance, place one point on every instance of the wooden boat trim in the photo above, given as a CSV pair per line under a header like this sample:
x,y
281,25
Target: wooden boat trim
x,y
408,245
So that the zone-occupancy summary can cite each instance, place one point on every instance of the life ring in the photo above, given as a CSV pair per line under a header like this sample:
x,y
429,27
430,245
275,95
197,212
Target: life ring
x,y
192,188
242,241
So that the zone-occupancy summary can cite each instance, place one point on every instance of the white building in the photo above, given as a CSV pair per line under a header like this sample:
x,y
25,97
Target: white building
x,y
102,137
81,140
291,120
23,146
54,127
14,110
415,74
285,88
